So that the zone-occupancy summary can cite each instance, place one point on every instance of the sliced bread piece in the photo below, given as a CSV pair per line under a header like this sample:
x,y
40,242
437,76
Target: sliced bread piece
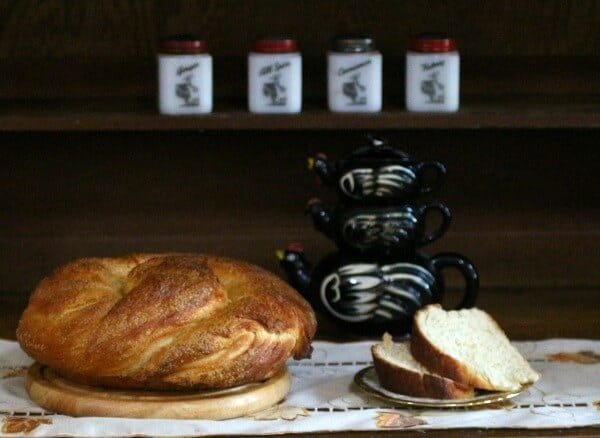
x,y
398,371
468,346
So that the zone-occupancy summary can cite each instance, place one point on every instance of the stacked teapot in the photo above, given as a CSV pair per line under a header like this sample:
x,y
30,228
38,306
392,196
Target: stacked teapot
x,y
378,277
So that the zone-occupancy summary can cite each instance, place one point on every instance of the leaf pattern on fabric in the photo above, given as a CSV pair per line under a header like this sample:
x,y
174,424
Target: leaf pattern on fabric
x,y
353,400
597,404
15,372
396,420
581,357
288,413
22,424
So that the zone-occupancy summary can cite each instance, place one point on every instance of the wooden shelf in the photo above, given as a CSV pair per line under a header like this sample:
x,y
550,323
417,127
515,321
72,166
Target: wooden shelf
x,y
130,114
92,94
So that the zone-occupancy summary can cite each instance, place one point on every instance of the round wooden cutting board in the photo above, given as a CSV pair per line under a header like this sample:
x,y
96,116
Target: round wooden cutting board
x,y
60,395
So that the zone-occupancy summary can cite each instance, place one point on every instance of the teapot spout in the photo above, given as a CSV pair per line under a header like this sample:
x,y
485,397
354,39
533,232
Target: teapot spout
x,y
323,168
321,216
297,267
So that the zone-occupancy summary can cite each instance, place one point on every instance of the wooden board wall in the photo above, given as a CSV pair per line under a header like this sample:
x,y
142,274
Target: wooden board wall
x,y
129,28
107,48
527,214
525,201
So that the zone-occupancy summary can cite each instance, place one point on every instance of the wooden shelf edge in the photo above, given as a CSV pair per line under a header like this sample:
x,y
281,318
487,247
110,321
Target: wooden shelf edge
x,y
502,112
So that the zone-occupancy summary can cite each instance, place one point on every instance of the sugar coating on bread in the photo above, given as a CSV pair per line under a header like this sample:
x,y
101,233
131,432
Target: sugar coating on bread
x,y
468,346
398,371
165,321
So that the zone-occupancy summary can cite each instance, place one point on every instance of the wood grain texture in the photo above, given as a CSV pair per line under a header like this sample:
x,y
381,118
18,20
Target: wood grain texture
x,y
524,203
499,79
482,112
107,48
59,395
100,28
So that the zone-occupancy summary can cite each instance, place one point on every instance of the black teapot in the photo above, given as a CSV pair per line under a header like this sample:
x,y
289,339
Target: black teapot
x,y
379,173
375,296
374,230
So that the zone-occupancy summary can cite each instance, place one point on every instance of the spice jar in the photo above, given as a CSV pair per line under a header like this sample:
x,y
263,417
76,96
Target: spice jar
x,y
354,75
275,76
185,83
432,74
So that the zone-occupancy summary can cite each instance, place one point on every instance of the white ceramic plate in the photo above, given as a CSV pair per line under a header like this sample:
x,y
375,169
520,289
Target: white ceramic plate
x,y
367,380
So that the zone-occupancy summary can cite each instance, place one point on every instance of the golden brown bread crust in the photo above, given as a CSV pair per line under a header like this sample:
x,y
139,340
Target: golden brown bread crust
x,y
441,363
165,321
410,382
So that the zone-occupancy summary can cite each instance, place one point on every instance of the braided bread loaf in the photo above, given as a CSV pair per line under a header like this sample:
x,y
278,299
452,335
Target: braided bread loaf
x,y
165,321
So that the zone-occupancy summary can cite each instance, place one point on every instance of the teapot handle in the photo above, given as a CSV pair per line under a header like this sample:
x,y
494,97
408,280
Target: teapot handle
x,y
466,268
439,173
426,209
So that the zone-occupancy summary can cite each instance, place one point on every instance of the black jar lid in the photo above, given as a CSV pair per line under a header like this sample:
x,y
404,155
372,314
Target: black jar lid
x,y
353,43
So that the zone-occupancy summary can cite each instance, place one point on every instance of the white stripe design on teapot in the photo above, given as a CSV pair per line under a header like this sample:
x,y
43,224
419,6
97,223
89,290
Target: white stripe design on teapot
x,y
385,181
361,291
387,230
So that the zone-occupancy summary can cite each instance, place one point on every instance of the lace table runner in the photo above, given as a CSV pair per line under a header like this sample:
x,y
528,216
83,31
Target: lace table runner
x,y
323,397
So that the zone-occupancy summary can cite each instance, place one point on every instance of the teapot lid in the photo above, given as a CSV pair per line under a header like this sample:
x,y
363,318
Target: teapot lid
x,y
378,149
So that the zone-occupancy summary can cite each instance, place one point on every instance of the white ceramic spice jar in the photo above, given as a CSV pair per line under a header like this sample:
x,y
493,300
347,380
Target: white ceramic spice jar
x,y
354,75
275,76
185,76
432,74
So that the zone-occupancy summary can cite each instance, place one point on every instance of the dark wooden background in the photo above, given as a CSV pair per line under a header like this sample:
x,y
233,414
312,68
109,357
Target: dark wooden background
x,y
88,168
526,212
107,48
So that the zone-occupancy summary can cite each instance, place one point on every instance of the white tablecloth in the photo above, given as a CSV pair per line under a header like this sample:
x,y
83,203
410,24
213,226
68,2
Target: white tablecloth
x,y
323,397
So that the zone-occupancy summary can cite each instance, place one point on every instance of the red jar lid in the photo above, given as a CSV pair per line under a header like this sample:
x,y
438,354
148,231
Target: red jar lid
x,y
295,247
431,42
183,44
275,45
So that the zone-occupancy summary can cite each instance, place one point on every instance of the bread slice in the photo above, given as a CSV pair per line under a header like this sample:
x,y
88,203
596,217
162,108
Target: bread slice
x,y
398,371
469,347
